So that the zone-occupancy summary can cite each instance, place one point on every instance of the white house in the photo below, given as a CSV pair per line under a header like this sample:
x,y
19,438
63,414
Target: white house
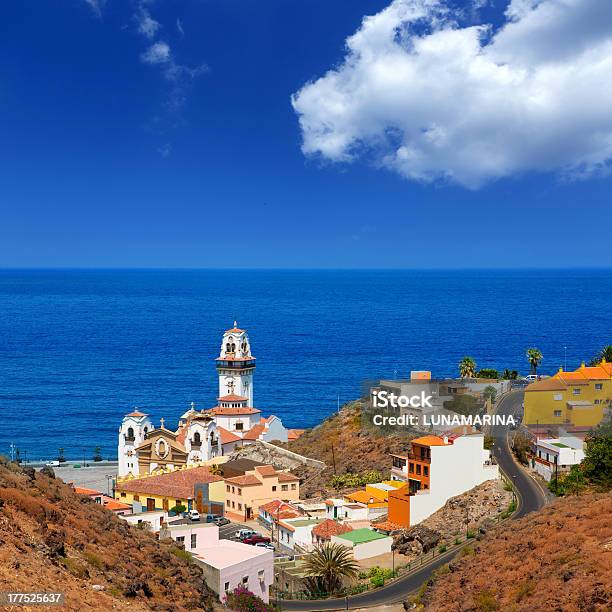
x,y
227,565
152,520
440,467
195,536
557,455
364,543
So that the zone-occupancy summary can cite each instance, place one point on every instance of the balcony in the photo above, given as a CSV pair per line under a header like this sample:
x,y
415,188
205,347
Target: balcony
x,y
129,439
195,445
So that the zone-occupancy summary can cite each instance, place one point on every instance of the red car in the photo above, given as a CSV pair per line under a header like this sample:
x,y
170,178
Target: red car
x,y
256,539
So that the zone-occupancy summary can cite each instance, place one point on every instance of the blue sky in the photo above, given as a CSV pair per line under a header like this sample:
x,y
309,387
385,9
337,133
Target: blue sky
x,y
127,144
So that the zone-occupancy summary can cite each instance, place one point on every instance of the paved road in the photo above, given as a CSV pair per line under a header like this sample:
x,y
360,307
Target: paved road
x,y
530,498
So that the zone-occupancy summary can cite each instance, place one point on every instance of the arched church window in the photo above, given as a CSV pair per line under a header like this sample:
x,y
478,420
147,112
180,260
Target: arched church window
x,y
130,432
233,347
196,438
228,348
146,430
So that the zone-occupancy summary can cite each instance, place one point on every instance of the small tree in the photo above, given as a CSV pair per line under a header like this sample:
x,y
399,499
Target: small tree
x,y
487,373
490,392
467,367
178,509
242,600
534,356
327,566
522,447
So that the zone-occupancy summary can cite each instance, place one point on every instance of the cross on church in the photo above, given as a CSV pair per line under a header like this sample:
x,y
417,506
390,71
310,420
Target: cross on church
x,y
162,421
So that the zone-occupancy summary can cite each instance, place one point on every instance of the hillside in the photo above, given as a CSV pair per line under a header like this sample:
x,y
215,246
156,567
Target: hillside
x,y
345,446
557,559
53,540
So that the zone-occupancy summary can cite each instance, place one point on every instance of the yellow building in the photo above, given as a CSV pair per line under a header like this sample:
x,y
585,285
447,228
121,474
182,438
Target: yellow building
x,y
375,496
193,487
573,398
257,487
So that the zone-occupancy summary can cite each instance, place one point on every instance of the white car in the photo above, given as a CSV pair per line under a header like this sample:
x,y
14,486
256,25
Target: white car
x,y
244,533
194,515
52,464
532,378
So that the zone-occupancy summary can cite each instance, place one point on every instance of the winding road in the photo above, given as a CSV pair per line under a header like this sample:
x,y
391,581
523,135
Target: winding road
x,y
531,498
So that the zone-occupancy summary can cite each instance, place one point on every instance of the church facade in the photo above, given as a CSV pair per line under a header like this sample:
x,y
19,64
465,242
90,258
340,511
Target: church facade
x,y
202,434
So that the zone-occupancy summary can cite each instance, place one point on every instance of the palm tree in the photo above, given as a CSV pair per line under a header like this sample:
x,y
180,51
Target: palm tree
x,y
605,353
534,356
467,367
214,469
327,565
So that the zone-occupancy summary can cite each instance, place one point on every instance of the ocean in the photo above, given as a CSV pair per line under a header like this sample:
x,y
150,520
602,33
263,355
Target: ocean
x,y
79,349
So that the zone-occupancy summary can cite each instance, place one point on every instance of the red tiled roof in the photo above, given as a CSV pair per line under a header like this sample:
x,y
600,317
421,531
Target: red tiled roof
x,y
294,434
280,509
287,477
136,413
244,481
179,484
329,528
254,432
266,470
232,397
114,505
85,491
388,526
227,436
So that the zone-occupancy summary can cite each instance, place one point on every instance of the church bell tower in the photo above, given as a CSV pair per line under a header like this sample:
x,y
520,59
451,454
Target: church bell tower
x,y
236,366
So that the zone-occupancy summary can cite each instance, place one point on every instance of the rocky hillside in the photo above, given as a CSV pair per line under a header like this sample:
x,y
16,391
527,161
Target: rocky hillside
x,y
53,540
344,446
559,559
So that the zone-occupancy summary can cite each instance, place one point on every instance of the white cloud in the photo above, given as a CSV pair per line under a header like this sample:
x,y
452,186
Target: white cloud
x,y
96,6
147,26
419,94
157,53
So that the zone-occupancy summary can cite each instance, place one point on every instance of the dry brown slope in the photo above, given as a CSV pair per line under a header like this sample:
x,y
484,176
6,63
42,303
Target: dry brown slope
x,y
559,559
52,540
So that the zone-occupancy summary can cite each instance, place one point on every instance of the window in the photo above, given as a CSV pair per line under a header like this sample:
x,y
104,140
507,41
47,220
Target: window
x,y
274,487
226,587
194,540
233,505
196,438
426,486
122,494
180,539
227,488
425,471
598,401
576,391
418,469
598,386
130,433
239,491
239,426
284,487
557,413
399,463
239,506
293,487
233,489
411,468
245,580
136,497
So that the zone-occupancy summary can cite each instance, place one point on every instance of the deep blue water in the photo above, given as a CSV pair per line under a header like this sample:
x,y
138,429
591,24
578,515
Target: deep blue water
x,y
78,349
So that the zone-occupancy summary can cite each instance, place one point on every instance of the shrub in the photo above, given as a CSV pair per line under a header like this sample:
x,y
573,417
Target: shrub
x,y
470,535
242,600
181,554
178,509
351,479
94,560
485,601
442,548
379,575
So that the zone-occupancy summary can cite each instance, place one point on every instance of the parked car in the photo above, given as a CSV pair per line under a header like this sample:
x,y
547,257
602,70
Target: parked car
x,y
221,520
52,464
532,377
267,545
244,533
194,515
256,539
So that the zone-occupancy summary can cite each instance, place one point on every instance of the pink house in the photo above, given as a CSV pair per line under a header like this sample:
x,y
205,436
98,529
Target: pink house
x,y
195,536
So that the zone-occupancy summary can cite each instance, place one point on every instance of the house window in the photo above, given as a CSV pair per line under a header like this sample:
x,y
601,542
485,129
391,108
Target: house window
x,y
239,506
274,487
245,580
598,386
194,540
239,491
576,391
233,505
226,587
227,488
293,487
239,427
418,469
180,539
136,497
557,413
284,487
411,470
233,489
425,471
122,494
426,486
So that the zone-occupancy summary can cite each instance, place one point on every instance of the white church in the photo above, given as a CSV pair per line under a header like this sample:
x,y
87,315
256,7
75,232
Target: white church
x,y
202,435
